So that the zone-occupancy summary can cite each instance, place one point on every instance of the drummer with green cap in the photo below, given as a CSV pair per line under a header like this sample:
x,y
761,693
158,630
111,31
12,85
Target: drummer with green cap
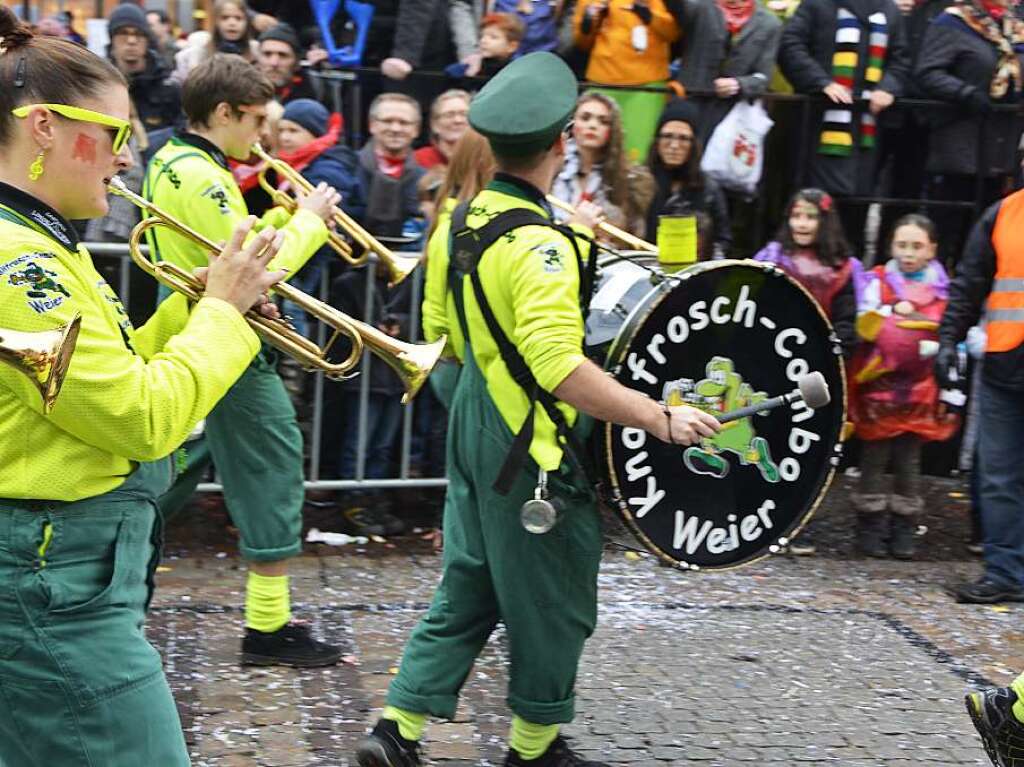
x,y
518,286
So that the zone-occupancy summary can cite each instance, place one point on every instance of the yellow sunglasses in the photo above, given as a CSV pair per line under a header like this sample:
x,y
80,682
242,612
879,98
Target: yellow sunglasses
x,y
123,127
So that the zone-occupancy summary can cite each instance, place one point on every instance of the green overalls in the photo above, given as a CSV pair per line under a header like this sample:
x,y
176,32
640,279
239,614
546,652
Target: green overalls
x,y
79,683
252,435
542,587
254,440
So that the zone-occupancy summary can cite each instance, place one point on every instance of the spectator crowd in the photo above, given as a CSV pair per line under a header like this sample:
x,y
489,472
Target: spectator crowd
x,y
908,127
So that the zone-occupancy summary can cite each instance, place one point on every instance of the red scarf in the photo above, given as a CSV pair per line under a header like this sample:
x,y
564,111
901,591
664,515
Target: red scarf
x,y
994,9
388,165
247,175
736,18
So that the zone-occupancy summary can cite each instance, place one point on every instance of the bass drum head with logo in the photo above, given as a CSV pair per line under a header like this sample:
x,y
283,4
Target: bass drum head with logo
x,y
720,336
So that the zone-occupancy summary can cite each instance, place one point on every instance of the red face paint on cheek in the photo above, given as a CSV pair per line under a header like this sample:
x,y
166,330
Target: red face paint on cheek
x,y
84,149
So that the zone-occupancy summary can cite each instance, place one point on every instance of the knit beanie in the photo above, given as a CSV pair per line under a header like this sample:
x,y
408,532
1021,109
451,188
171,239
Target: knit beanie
x,y
311,115
127,15
285,34
678,109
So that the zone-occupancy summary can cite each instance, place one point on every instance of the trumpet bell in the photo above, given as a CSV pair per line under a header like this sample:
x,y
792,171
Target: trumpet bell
x,y
42,356
414,363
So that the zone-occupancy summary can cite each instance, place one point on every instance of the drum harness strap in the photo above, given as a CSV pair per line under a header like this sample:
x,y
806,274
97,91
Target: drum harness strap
x,y
467,247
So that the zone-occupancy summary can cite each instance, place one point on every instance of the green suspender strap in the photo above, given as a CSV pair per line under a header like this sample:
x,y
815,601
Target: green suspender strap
x,y
467,247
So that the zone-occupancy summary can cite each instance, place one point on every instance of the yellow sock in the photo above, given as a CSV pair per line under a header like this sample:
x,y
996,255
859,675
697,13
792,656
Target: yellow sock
x,y
267,606
530,740
1018,707
410,725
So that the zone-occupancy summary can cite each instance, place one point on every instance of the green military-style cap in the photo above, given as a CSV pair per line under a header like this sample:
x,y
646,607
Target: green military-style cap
x,y
524,107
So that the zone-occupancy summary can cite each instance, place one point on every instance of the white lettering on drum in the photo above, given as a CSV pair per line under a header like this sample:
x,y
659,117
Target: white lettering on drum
x,y
691,533
635,469
654,496
654,348
638,367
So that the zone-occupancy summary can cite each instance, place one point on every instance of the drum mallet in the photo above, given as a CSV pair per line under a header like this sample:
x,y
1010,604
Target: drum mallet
x,y
811,388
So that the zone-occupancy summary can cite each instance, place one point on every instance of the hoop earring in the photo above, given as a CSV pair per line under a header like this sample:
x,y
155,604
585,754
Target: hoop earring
x,y
35,170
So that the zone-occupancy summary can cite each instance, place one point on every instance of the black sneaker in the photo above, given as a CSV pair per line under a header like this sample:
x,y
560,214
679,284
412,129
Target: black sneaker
x,y
363,521
290,645
385,747
1002,735
986,591
392,524
558,755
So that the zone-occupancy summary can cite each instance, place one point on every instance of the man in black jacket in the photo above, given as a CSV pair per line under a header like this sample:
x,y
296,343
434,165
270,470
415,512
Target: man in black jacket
x,y
279,56
157,100
991,276
388,172
857,89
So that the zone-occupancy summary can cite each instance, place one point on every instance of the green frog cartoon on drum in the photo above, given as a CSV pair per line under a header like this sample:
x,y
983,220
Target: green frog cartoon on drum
x,y
721,391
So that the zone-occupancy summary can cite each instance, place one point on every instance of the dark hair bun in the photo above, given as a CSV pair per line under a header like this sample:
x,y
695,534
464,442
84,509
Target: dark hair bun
x,y
14,32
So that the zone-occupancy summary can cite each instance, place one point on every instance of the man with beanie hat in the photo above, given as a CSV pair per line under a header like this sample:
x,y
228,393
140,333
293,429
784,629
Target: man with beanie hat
x,y
157,100
279,56
517,283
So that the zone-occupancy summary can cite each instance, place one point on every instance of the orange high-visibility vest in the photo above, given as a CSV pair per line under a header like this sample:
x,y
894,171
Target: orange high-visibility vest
x,y
1006,301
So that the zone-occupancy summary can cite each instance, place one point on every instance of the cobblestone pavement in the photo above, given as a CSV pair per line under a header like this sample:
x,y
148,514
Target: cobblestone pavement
x,y
830,659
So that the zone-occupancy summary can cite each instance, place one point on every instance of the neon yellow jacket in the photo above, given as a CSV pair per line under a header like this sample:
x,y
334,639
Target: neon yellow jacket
x,y
437,301
532,283
192,183
129,395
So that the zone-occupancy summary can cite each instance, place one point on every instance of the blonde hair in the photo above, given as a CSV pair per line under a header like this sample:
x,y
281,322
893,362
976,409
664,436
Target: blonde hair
x,y
470,168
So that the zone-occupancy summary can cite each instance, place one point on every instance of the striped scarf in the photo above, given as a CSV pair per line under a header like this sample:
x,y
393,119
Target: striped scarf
x,y
837,128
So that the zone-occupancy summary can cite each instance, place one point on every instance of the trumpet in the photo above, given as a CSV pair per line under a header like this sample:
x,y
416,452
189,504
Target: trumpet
x,y
43,356
412,362
399,266
611,230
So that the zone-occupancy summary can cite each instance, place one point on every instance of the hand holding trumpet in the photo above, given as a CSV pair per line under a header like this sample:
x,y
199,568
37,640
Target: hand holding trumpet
x,y
238,273
321,200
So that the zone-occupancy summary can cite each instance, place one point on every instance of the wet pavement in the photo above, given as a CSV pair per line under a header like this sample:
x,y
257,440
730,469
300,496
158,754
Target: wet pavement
x,y
826,659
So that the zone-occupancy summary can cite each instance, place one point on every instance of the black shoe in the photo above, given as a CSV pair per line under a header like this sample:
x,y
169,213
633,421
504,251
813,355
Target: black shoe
x,y
392,524
558,755
290,645
871,534
902,532
385,747
1002,735
363,521
986,591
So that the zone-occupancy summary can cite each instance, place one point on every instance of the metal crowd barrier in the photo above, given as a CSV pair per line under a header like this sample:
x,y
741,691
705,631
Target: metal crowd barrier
x,y
122,261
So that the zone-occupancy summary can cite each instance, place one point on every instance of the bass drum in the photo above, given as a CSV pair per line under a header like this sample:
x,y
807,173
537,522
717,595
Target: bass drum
x,y
718,335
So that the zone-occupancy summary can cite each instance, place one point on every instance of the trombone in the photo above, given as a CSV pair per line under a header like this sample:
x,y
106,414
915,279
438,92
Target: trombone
x,y
412,362
43,356
399,266
611,230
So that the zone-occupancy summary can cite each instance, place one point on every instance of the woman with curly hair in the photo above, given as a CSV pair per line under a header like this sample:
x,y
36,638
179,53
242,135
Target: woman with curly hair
x,y
596,168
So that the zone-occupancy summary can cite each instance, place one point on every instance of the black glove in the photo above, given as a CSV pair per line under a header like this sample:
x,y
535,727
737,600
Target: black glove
x,y
642,11
977,101
945,365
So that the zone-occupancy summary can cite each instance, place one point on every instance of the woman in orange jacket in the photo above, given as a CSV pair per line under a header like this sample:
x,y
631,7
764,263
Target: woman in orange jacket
x,y
630,43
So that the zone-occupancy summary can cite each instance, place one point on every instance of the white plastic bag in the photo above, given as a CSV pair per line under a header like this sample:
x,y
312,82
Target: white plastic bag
x,y
734,155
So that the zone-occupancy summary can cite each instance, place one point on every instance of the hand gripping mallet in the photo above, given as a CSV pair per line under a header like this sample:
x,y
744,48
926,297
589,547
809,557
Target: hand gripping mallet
x,y
811,388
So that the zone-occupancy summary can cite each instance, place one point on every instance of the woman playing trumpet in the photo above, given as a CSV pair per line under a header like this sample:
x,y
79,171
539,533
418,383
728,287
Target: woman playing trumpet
x,y
79,683
258,458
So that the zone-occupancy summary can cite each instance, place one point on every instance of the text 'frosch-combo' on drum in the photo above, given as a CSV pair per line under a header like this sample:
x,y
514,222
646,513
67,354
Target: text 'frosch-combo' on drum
x,y
721,336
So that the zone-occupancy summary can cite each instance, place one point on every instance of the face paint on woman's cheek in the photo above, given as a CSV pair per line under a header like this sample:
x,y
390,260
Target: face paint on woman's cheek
x,y
84,149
